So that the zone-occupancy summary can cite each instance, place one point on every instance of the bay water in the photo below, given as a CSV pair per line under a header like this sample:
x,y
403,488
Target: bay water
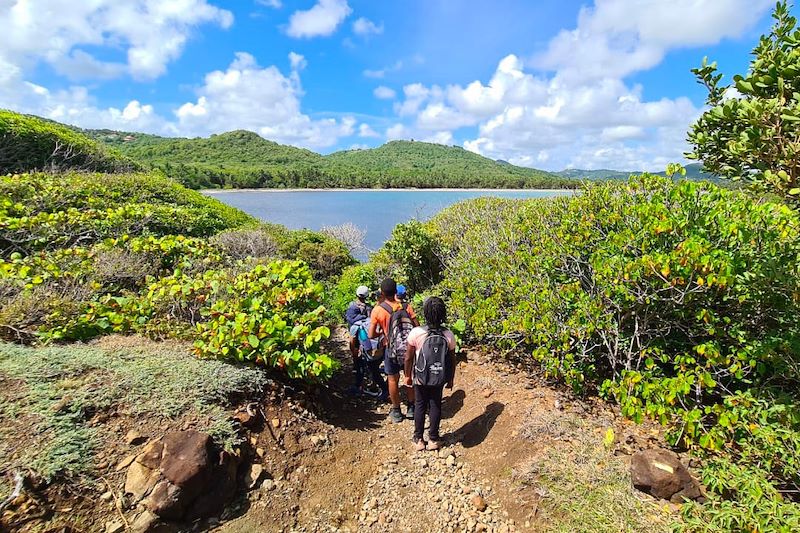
x,y
374,211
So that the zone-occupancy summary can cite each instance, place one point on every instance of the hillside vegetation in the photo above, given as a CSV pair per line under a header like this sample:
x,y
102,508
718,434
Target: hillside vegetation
x,y
242,159
84,255
694,171
677,301
31,143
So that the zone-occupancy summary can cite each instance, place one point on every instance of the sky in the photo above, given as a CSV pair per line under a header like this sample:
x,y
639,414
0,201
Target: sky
x,y
550,84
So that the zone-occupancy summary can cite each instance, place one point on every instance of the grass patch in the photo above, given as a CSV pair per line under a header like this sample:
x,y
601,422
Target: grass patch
x,y
583,485
53,393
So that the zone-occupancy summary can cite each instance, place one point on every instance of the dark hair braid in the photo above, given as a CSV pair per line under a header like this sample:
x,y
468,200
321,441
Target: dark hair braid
x,y
435,312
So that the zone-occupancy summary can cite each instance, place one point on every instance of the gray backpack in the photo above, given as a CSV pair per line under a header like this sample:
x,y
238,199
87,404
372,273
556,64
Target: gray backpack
x,y
431,363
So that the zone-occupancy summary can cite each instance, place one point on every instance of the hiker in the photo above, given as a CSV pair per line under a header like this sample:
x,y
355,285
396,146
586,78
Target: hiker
x,y
395,320
430,366
401,293
357,316
362,348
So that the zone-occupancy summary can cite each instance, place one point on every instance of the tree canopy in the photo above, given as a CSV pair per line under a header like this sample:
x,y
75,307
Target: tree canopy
x,y
750,132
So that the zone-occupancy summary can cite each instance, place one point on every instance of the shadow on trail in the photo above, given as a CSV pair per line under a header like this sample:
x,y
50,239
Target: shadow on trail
x,y
342,409
476,430
452,404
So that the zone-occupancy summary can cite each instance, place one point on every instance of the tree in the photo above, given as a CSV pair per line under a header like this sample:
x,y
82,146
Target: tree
x,y
750,132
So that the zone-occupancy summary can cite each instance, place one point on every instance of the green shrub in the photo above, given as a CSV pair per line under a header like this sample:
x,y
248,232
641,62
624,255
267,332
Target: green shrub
x,y
344,291
326,256
411,256
270,315
676,300
46,212
30,143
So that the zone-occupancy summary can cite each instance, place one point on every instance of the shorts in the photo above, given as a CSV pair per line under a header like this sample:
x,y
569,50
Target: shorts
x,y
390,367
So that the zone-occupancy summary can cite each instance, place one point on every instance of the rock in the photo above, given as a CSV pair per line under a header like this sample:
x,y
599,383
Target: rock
x,y
125,463
451,460
140,480
267,485
166,501
115,526
151,454
185,459
660,473
253,476
144,522
276,423
135,438
181,477
479,503
107,496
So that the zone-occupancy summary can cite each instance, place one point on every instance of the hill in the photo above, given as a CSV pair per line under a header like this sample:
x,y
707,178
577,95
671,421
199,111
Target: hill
x,y
236,148
413,163
694,171
32,143
241,159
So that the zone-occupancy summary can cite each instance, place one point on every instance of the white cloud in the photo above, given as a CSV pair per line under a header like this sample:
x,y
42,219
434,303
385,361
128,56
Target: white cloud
x,y
276,4
576,110
617,37
365,27
243,96
397,131
297,61
319,21
151,33
381,73
384,93
440,137
247,96
364,130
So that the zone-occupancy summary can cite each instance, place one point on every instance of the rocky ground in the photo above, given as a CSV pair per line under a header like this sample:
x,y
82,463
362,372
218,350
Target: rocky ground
x,y
507,465
519,455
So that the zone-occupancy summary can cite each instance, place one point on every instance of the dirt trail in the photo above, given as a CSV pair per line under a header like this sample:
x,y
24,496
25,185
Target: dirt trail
x,y
362,474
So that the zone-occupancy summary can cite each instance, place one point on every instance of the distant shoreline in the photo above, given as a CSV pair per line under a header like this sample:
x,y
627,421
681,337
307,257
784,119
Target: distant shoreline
x,y
412,189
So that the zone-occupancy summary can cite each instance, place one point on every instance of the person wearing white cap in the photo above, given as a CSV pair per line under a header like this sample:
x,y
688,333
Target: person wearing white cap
x,y
356,316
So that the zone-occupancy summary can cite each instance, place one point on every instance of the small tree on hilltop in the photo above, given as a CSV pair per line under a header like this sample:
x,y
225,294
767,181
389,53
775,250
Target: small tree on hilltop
x,y
751,133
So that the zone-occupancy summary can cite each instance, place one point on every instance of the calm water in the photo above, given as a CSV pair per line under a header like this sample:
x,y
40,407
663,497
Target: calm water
x,y
376,212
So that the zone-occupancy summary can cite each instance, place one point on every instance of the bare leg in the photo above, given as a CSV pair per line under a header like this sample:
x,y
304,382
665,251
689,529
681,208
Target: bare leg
x,y
394,390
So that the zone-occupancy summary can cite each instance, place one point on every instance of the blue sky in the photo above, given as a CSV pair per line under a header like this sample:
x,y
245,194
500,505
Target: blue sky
x,y
545,83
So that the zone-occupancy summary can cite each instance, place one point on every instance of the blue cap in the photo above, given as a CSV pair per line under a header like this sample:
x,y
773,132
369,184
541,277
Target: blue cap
x,y
401,290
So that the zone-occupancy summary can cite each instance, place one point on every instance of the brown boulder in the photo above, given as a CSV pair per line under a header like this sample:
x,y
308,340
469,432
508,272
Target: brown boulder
x,y
180,477
660,473
185,458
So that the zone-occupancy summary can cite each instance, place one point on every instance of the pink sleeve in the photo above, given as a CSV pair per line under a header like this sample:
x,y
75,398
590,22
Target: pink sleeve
x,y
451,339
414,337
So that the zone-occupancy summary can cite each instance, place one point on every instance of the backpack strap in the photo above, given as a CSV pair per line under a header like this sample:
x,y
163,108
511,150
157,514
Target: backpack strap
x,y
388,308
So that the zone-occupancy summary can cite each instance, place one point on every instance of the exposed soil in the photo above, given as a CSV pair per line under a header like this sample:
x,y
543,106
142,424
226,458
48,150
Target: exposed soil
x,y
336,463
366,475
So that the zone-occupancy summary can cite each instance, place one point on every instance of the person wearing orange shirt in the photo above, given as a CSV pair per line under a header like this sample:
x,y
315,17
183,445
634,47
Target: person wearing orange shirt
x,y
380,322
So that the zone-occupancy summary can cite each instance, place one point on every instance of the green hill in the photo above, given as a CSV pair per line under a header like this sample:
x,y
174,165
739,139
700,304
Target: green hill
x,y
240,159
235,148
421,164
694,171
32,143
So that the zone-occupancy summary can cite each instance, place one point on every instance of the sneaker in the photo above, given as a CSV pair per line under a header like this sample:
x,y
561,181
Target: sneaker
x,y
434,445
419,445
410,412
395,415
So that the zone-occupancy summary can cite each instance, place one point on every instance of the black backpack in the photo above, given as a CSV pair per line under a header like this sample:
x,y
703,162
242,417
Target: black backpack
x,y
400,325
432,361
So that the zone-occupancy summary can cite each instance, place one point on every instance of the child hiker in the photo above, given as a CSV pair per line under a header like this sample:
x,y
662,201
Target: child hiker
x,y
430,365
